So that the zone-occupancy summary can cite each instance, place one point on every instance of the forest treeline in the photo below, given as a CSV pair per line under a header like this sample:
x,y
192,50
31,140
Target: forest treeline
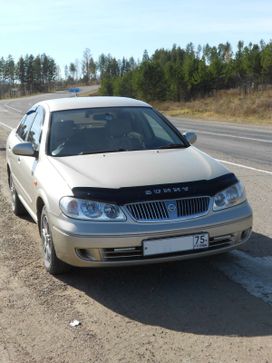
x,y
183,74
29,74
176,74
40,73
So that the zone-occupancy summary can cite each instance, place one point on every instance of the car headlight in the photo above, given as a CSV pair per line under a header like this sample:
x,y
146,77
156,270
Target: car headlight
x,y
91,210
229,197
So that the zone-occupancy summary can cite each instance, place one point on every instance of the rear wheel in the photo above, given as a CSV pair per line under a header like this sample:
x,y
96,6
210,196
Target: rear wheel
x,y
16,204
51,262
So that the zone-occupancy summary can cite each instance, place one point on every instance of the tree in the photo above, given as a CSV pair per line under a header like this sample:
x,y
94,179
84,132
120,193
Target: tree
x,y
188,69
9,70
21,73
45,61
145,56
88,66
72,70
52,72
132,63
151,81
266,63
77,74
125,85
106,88
2,69
66,72
29,59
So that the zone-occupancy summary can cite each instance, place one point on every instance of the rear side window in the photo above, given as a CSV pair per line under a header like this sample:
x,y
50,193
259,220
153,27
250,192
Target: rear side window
x,y
25,125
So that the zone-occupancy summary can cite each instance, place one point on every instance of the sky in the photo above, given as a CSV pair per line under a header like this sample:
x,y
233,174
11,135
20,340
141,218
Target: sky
x,y
64,28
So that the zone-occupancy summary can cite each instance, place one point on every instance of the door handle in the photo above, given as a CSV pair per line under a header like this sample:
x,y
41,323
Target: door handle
x,y
19,159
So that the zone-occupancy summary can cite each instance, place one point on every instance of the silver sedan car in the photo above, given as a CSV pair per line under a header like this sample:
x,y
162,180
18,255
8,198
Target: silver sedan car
x,y
110,181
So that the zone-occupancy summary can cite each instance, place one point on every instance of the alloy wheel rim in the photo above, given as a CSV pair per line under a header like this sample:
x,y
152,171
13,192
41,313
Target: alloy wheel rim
x,y
13,194
46,238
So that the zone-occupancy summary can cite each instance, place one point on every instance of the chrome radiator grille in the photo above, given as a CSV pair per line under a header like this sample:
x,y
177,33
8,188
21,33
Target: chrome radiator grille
x,y
169,209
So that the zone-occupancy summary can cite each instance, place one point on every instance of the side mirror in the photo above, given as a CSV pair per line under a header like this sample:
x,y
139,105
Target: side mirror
x,y
190,136
24,149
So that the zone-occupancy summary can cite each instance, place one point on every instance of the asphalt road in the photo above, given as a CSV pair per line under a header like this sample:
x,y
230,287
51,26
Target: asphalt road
x,y
245,144
10,107
208,310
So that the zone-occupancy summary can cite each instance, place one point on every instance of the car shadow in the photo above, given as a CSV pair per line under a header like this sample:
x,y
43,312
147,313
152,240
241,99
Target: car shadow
x,y
258,245
187,296
27,217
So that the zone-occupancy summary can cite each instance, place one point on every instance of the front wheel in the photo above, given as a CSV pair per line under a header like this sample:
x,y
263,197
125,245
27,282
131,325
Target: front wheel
x,y
16,205
51,262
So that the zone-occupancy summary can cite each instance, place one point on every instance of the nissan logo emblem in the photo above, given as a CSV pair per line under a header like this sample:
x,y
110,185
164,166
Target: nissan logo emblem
x,y
171,207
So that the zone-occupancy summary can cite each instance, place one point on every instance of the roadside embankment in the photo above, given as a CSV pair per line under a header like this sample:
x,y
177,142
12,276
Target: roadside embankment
x,y
231,105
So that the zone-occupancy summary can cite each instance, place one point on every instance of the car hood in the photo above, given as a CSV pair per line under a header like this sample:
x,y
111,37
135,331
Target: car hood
x,y
137,168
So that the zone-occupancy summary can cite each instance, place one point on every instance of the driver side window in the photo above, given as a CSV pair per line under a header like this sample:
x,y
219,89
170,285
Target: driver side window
x,y
158,130
35,132
25,125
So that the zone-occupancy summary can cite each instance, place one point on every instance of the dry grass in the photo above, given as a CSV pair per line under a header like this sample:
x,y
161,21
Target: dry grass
x,y
89,94
255,108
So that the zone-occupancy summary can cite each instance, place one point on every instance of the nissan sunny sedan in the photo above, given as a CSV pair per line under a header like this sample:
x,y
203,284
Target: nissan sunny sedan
x,y
110,181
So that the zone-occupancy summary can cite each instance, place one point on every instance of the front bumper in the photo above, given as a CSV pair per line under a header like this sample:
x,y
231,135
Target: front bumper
x,y
86,244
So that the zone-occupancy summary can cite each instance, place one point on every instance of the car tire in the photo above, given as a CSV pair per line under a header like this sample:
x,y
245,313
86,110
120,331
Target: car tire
x,y
52,263
16,205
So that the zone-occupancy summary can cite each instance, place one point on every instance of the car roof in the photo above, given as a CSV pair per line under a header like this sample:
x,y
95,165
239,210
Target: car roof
x,y
91,102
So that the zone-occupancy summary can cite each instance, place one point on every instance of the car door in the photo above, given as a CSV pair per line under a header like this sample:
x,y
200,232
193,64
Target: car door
x,y
16,160
29,164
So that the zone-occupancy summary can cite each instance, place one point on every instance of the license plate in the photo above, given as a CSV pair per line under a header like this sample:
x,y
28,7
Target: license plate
x,y
176,244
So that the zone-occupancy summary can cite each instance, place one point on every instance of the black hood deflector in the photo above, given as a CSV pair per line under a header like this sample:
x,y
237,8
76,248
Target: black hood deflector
x,y
157,192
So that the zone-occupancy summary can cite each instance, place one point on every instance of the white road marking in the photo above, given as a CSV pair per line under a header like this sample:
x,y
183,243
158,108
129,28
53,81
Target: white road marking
x,y
245,166
9,127
232,136
13,108
253,273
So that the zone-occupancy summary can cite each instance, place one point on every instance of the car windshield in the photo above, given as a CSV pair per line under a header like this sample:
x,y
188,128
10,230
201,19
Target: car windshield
x,y
115,129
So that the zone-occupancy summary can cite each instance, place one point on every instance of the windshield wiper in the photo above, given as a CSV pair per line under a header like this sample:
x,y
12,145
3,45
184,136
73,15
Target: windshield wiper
x,y
172,146
103,151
